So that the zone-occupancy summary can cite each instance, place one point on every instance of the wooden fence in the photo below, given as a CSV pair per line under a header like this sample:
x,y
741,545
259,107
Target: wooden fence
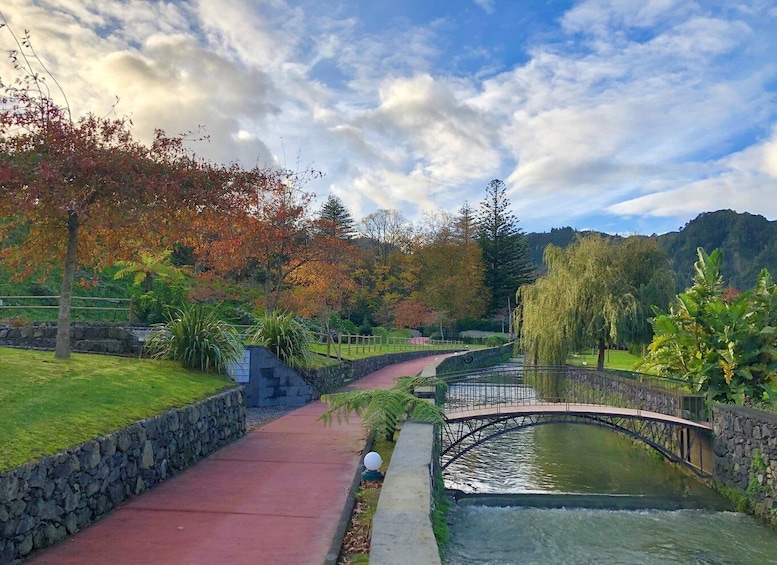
x,y
12,304
355,344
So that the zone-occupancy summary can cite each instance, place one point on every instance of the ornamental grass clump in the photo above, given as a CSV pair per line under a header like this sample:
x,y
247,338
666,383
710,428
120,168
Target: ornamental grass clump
x,y
285,336
197,339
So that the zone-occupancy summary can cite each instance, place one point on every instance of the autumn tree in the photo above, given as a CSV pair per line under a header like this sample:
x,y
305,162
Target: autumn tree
x,y
451,269
85,190
466,223
272,233
411,313
386,231
321,290
385,274
504,248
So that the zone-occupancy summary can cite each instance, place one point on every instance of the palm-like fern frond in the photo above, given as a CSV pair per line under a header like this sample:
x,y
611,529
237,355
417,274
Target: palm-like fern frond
x,y
384,410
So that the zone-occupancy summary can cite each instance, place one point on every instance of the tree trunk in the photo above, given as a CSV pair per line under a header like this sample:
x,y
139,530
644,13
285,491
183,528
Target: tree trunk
x,y
62,350
600,359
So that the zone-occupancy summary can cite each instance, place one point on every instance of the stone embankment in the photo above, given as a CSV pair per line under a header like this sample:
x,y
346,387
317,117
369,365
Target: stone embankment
x,y
44,501
328,379
84,338
745,450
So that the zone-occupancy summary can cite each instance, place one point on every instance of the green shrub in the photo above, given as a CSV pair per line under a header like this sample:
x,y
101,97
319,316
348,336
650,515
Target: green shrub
x,y
286,336
496,340
197,339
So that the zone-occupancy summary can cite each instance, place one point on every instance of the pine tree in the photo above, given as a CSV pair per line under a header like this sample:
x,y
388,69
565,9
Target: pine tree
x,y
504,247
337,218
466,224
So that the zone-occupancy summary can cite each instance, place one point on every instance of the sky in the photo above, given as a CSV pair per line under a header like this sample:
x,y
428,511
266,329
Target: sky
x,y
624,116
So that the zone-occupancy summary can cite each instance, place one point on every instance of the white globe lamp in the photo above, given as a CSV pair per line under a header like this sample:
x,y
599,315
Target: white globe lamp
x,y
372,462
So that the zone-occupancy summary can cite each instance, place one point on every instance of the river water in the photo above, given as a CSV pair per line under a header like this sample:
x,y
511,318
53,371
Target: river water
x,y
575,470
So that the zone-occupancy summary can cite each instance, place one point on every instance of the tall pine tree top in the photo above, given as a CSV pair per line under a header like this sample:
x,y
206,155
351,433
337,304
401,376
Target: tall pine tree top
x,y
337,218
504,247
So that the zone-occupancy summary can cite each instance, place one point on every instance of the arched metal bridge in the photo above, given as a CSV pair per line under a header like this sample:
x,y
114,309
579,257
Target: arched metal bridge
x,y
484,404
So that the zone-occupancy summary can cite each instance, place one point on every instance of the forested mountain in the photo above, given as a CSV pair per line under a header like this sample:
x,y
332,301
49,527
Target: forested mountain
x,y
560,237
748,241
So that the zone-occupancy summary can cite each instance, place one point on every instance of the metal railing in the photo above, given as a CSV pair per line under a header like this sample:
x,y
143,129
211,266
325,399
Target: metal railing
x,y
530,385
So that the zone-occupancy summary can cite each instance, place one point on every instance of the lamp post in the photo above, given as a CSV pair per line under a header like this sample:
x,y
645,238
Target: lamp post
x,y
372,462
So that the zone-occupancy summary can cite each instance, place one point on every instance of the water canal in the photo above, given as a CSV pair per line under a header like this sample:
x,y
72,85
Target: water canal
x,y
536,496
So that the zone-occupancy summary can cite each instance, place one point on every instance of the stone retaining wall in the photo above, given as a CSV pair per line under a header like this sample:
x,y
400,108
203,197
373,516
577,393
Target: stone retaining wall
x,y
43,502
745,452
84,338
329,379
628,392
476,359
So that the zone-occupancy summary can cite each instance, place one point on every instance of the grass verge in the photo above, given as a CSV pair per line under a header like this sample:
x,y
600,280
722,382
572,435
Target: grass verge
x,y
356,543
365,351
613,359
48,404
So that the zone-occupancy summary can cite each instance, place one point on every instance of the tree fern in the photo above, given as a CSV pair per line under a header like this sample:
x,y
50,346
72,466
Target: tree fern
x,y
383,410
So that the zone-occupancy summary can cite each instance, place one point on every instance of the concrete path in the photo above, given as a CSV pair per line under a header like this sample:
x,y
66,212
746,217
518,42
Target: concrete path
x,y
275,496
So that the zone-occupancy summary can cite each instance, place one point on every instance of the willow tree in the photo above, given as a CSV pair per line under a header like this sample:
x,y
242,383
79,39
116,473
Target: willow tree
x,y
594,294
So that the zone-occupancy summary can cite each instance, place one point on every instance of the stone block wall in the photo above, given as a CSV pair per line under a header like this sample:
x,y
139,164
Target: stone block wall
x,y
476,359
628,393
44,501
84,338
272,383
745,452
329,379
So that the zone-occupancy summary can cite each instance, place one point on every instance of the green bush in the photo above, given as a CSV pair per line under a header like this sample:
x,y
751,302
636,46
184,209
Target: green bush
x,y
724,345
382,332
194,337
286,336
496,340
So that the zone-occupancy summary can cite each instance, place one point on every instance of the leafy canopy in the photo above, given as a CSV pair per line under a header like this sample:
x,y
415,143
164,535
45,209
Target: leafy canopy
x,y
718,343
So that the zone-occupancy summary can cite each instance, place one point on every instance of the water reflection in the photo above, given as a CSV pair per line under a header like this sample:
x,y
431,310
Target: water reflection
x,y
567,458
577,458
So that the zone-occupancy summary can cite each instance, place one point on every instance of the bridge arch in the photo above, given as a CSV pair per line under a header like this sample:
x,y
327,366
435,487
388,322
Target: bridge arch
x,y
483,404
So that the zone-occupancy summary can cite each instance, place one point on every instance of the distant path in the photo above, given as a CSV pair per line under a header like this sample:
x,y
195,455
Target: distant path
x,y
419,340
275,496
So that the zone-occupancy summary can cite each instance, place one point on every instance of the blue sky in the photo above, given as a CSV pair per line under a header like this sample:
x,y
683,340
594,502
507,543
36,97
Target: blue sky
x,y
628,116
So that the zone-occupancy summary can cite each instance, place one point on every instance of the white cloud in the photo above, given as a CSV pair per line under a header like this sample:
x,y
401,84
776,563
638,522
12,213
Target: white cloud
x,y
743,181
486,5
630,108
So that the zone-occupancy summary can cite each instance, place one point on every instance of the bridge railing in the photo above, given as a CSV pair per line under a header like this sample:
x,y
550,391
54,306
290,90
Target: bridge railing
x,y
523,385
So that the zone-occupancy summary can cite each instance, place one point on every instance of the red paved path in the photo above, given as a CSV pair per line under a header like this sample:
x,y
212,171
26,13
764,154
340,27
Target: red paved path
x,y
274,496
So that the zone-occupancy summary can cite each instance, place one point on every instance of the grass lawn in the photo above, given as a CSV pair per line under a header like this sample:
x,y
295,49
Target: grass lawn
x,y
613,359
364,351
48,404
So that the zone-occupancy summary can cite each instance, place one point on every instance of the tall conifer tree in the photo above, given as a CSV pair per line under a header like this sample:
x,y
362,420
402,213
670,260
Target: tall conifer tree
x,y
504,247
337,219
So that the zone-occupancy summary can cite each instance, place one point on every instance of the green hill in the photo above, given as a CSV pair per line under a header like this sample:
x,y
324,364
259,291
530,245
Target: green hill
x,y
748,241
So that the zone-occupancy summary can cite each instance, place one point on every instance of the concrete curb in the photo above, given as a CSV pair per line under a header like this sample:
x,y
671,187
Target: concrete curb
x,y
402,528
